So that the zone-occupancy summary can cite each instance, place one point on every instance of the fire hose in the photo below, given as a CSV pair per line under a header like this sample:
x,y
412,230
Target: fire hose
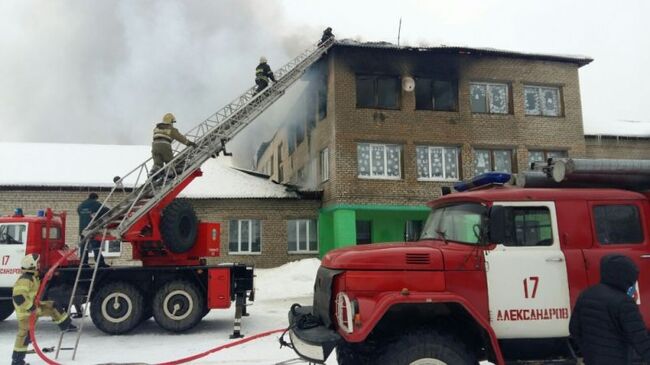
x,y
44,357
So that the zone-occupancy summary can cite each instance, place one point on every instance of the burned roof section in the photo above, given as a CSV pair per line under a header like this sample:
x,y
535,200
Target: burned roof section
x,y
463,50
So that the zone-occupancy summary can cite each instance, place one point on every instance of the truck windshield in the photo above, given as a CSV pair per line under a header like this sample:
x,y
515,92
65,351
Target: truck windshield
x,y
461,223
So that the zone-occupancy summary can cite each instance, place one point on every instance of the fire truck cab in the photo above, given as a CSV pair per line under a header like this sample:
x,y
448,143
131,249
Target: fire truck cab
x,y
494,276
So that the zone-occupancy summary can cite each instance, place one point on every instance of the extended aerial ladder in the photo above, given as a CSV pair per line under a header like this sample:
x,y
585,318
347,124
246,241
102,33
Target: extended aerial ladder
x,y
144,193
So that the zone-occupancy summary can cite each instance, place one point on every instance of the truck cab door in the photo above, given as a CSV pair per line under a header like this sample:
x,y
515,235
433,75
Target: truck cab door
x,y
528,291
13,241
618,228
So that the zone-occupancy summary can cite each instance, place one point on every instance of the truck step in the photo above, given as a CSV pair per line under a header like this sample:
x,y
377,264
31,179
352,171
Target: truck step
x,y
542,362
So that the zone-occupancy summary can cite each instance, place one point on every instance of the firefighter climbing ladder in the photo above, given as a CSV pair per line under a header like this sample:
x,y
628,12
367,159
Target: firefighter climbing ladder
x,y
149,187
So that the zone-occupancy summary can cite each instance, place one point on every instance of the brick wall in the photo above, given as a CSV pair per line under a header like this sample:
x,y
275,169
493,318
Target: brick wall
x,y
409,127
617,147
273,213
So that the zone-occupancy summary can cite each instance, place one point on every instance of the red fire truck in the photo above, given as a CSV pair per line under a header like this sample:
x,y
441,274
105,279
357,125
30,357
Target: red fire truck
x,y
177,290
494,275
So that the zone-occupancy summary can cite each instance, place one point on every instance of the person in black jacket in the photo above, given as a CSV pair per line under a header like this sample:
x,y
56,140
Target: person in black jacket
x,y
606,321
262,75
86,210
327,35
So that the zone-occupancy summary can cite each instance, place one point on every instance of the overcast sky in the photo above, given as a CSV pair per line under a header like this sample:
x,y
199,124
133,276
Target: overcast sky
x,y
103,71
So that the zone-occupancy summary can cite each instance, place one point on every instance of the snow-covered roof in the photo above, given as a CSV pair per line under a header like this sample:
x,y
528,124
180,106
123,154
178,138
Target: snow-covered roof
x,y
94,166
578,59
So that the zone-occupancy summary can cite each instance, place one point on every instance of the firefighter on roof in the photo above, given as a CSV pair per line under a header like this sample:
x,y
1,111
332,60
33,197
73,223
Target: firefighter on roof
x,y
24,299
327,34
262,75
163,136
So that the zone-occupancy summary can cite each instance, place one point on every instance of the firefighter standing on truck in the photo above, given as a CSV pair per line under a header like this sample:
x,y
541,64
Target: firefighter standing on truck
x,y
262,75
163,136
24,299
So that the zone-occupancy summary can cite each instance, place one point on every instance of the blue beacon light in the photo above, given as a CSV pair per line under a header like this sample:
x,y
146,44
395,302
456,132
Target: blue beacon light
x,y
484,179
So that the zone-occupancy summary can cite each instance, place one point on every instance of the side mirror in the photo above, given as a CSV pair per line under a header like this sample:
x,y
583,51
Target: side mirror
x,y
497,222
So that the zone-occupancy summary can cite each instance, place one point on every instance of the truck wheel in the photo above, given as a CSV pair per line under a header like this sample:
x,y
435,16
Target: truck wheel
x,y
178,306
117,308
179,226
6,308
347,354
425,347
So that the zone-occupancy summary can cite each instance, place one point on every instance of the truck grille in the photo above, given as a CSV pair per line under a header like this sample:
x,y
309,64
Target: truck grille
x,y
418,258
323,294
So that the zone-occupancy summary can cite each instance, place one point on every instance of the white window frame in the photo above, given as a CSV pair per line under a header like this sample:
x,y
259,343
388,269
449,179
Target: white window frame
x,y
492,162
542,109
26,233
250,237
444,149
488,97
385,176
106,252
296,222
325,164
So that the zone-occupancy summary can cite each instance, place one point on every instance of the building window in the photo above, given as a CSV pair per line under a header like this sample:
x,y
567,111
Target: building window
x,y
489,98
437,163
379,161
492,160
542,155
280,174
618,224
13,234
325,164
244,236
299,133
364,232
302,236
378,92
322,98
541,100
433,94
110,248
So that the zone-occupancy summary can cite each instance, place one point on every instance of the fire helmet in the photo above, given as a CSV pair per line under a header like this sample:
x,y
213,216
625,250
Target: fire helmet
x,y
263,59
169,118
30,262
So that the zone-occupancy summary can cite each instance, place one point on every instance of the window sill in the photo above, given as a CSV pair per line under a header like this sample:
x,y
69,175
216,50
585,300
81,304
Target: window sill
x,y
378,108
438,111
437,180
244,253
492,114
379,178
544,116
302,252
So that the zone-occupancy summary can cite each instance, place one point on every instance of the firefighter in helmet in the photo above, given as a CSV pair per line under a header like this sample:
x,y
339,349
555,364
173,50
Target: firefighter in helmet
x,y
327,34
163,136
24,299
262,75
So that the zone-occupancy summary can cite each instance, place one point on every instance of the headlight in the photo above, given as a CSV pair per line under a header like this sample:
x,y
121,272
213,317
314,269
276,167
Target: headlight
x,y
345,311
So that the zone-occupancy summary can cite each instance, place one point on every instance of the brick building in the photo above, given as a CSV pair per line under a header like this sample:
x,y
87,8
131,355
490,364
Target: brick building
x,y
263,223
382,128
622,147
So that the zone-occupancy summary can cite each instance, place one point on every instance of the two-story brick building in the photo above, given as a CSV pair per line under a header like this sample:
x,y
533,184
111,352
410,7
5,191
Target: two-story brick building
x,y
382,128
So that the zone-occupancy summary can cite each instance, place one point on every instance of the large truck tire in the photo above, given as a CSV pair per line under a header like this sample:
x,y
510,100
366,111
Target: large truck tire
x,y
178,306
6,308
117,308
425,347
347,354
179,226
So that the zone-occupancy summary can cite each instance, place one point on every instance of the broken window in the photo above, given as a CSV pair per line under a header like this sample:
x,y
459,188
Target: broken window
x,y
437,163
486,160
433,94
543,155
489,98
542,100
378,92
382,161
322,99
299,133
324,164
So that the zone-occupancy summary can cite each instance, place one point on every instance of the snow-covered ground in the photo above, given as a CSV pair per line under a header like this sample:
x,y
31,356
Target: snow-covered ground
x,y
277,289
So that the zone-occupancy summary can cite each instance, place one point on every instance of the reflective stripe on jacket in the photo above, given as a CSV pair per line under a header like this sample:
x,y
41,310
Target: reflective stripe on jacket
x,y
24,293
168,133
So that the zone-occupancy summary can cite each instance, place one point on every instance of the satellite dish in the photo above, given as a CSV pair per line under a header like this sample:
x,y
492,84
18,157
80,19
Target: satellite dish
x,y
408,84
